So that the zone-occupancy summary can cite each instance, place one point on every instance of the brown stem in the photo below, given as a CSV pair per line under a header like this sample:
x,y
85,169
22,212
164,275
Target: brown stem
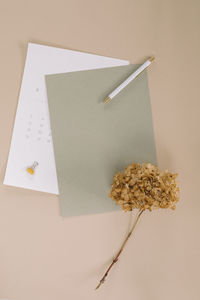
x,y
119,252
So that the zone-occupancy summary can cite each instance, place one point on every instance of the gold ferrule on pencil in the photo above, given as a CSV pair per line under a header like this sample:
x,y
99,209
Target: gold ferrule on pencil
x,y
152,58
107,100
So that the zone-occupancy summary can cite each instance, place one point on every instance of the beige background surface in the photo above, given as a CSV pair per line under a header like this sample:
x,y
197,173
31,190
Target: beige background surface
x,y
46,257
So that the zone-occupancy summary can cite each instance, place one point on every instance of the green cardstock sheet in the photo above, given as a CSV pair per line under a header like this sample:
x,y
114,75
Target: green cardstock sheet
x,y
92,140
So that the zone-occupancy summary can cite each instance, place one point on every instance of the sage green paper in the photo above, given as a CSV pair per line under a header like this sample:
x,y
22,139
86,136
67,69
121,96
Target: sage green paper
x,y
92,141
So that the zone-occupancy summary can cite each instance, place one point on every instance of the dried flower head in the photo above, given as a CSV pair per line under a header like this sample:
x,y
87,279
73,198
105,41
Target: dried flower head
x,y
144,186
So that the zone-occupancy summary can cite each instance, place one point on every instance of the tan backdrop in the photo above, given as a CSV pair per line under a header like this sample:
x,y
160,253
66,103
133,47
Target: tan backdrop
x,y
46,257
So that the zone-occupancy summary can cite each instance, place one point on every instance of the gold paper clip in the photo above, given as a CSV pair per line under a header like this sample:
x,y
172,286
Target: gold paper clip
x,y
31,170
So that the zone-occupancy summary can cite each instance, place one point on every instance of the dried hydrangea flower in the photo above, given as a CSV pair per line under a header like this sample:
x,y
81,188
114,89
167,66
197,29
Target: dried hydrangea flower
x,y
144,186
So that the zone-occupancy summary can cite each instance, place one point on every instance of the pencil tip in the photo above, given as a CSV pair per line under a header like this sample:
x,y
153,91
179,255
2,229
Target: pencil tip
x,y
107,100
152,58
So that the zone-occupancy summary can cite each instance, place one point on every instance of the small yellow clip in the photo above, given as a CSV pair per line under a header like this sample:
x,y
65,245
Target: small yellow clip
x,y
31,170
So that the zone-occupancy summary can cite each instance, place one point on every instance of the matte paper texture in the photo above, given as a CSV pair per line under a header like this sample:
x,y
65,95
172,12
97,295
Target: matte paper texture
x,y
92,141
31,140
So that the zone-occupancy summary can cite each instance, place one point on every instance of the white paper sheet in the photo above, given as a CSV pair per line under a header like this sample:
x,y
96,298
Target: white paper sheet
x,y
31,140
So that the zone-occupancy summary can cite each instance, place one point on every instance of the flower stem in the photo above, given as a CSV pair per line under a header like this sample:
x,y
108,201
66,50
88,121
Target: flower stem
x,y
120,251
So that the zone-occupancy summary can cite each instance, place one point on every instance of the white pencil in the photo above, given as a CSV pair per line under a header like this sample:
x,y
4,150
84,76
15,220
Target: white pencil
x,y
128,80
